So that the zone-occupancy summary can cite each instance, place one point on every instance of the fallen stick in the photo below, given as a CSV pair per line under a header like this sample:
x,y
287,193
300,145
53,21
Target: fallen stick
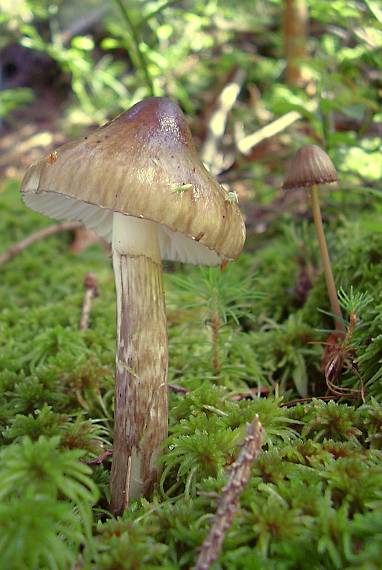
x,y
247,143
177,389
217,123
91,291
101,458
18,247
83,238
229,500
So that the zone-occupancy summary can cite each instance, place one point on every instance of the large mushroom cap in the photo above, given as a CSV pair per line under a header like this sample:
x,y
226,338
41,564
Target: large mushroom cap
x,y
142,164
309,166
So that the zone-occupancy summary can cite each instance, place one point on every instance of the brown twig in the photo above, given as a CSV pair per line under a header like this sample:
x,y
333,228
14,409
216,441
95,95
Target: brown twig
x,y
18,247
177,389
83,238
91,291
100,458
339,355
229,500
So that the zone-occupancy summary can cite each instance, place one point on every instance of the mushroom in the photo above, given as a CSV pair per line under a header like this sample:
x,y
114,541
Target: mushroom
x,y
309,167
138,182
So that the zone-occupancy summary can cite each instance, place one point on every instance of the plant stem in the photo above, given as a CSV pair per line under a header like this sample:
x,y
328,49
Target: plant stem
x,y
215,332
158,10
330,284
215,326
91,291
136,40
140,423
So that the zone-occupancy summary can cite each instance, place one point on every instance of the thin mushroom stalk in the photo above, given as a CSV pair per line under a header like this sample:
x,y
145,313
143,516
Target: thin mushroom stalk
x,y
310,167
140,424
327,267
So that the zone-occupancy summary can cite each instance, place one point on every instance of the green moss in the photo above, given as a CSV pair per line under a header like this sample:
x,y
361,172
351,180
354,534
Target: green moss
x,y
314,493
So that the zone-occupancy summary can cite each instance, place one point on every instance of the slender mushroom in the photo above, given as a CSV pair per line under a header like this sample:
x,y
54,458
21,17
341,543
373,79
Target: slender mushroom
x,y
139,183
309,167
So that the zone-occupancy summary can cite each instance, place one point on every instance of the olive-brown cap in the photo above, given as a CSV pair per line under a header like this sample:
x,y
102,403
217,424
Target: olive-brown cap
x,y
309,166
142,164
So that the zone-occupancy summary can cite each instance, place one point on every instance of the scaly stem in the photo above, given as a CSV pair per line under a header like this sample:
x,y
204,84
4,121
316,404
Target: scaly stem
x,y
140,423
330,284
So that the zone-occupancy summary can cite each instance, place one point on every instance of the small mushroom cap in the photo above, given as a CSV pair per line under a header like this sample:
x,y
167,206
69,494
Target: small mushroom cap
x,y
309,166
142,164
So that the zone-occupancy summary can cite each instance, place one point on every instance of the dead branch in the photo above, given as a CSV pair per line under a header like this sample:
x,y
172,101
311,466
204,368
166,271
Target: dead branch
x,y
83,238
101,458
177,389
18,247
274,128
229,500
246,143
339,355
217,123
91,291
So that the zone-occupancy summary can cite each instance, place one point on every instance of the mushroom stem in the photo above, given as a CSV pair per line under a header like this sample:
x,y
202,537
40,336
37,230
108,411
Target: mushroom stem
x,y
140,422
330,284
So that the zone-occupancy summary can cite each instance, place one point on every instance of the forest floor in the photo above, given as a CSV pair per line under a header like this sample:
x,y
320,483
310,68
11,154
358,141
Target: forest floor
x,y
314,493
